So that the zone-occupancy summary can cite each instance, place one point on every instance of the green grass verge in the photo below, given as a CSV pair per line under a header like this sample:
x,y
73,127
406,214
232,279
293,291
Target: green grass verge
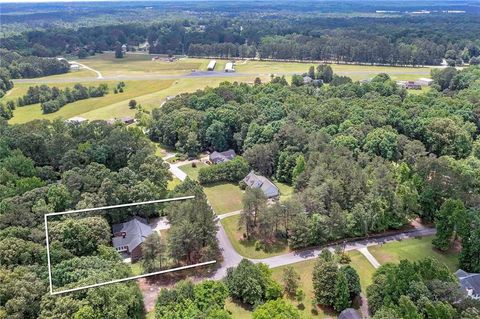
x,y
413,249
224,198
191,171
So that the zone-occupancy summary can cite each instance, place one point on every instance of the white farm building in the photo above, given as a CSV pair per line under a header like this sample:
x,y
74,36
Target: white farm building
x,y
229,67
211,65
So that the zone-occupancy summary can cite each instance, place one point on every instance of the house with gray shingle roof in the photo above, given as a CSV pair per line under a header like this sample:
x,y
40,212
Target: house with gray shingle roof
x,y
128,237
349,313
257,181
220,157
470,283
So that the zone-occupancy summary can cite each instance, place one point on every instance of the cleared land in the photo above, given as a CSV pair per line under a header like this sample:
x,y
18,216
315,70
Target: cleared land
x,y
140,64
139,72
224,197
305,270
413,249
105,107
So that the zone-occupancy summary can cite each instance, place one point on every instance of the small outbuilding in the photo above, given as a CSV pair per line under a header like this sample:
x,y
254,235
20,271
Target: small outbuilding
x,y
211,65
220,157
128,237
257,181
229,67
424,81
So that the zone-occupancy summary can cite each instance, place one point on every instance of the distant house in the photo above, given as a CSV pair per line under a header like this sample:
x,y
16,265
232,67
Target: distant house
x,y
74,67
76,119
219,157
470,283
229,67
124,48
256,181
144,46
409,85
307,80
211,65
424,81
129,236
349,313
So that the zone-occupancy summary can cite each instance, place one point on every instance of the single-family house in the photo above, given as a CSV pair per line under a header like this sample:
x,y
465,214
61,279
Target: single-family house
x,y
307,80
257,181
349,313
470,283
220,157
424,81
128,237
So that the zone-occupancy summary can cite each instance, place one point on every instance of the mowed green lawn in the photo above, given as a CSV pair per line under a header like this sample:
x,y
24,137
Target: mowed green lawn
x,y
413,249
191,171
246,248
356,72
140,64
105,107
224,197
305,270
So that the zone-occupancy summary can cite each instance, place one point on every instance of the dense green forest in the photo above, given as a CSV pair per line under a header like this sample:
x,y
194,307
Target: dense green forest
x,y
52,167
363,158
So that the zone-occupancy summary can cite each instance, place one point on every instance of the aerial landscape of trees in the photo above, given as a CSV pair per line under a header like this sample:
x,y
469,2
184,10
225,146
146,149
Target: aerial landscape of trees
x,y
357,160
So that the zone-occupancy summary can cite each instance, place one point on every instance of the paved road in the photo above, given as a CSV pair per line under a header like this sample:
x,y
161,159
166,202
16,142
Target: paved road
x,y
232,258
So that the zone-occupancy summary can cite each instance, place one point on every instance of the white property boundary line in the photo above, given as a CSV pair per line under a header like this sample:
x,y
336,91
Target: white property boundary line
x,y
117,280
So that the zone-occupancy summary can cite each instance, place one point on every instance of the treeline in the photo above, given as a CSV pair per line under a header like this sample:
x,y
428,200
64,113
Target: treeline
x,y
53,98
230,171
387,40
27,66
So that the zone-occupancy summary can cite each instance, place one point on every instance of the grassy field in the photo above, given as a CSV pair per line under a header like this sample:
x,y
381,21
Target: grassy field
x,y
224,198
356,72
105,107
305,270
413,249
141,64
191,171
150,93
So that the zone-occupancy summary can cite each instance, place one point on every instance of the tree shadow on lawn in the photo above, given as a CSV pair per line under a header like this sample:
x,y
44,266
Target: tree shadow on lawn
x,y
276,246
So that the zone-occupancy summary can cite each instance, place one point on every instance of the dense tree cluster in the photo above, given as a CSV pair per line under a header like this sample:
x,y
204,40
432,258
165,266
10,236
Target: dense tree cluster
x,y
205,300
51,167
334,286
53,98
363,157
252,284
395,40
30,66
423,289
229,171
